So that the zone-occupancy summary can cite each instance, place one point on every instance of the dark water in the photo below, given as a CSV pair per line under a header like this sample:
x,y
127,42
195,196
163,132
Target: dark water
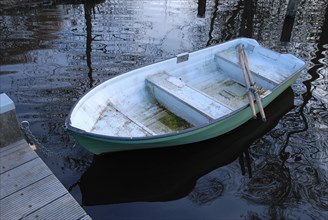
x,y
52,52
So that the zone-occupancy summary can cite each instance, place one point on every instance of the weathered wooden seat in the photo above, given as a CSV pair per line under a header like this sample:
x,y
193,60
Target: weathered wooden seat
x,y
186,102
263,68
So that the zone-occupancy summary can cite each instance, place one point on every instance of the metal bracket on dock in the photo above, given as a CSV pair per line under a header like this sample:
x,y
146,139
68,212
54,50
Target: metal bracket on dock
x,y
182,57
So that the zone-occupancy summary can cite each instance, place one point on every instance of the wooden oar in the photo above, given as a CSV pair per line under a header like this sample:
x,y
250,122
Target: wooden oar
x,y
247,81
244,63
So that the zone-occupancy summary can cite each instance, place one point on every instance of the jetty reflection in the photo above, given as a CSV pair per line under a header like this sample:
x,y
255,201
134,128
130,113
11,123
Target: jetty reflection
x,y
171,173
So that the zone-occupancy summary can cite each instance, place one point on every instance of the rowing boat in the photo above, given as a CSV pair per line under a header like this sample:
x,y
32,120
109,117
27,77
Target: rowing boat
x,y
189,98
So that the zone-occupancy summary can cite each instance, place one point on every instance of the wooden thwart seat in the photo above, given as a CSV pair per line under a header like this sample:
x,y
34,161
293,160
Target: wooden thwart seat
x,y
185,101
227,60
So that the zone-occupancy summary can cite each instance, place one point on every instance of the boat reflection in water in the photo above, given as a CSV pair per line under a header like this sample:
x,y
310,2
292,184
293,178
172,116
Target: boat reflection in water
x,y
171,173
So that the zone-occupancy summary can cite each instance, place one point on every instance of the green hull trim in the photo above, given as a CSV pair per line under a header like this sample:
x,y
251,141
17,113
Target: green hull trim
x,y
101,144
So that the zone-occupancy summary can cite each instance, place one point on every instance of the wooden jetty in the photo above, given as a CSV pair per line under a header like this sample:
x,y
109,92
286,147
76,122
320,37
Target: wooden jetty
x,y
28,188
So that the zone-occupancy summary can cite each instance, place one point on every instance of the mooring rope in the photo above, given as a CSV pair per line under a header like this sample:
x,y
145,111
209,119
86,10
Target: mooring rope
x,y
32,140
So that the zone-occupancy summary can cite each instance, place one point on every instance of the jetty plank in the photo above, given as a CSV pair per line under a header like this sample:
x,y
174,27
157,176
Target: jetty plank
x,y
58,209
11,147
31,198
21,177
29,189
18,154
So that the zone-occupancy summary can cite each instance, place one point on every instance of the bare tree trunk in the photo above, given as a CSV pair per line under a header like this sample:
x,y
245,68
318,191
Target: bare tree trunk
x,y
201,8
289,20
246,26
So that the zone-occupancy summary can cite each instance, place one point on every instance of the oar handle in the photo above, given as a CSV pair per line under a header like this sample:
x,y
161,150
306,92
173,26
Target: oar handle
x,y
250,83
247,81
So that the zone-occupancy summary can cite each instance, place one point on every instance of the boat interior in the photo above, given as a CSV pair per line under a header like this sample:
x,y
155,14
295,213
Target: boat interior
x,y
177,96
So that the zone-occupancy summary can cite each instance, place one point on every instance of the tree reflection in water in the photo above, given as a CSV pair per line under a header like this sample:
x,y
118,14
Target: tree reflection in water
x,y
54,52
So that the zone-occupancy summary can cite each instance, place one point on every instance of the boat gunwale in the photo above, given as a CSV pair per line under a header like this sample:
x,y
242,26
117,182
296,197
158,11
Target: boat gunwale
x,y
109,138
160,136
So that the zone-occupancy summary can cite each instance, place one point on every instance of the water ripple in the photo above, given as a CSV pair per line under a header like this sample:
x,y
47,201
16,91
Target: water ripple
x,y
310,186
206,191
53,54
269,185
